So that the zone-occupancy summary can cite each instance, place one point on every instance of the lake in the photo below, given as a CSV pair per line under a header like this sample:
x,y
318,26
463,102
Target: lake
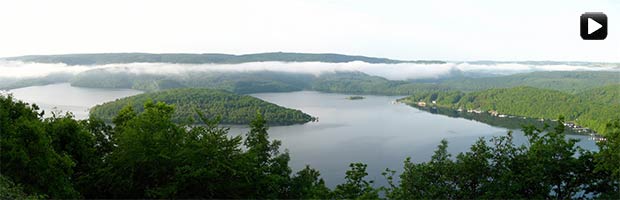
x,y
63,97
373,130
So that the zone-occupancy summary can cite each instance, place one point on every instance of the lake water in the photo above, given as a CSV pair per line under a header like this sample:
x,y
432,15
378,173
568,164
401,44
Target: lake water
x,y
63,97
374,130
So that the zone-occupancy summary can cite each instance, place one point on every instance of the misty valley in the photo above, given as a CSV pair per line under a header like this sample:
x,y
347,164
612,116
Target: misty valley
x,y
327,110
588,91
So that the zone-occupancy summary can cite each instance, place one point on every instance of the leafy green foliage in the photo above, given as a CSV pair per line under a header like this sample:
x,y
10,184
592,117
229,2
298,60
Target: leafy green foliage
x,y
28,154
429,180
9,190
355,187
307,184
233,108
270,167
607,162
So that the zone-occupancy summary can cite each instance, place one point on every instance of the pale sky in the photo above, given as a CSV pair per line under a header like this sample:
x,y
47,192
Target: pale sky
x,y
408,29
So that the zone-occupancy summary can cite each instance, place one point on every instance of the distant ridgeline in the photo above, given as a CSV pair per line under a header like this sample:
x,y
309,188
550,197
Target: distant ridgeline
x,y
566,81
117,58
271,81
233,108
593,108
342,82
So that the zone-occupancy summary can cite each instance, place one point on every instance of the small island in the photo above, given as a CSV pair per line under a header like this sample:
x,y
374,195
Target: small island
x,y
232,108
355,97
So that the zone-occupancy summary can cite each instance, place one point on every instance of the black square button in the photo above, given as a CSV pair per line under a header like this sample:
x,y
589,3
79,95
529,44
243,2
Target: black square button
x,y
593,26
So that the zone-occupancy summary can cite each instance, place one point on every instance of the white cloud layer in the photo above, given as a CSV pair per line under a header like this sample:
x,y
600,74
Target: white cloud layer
x,y
18,69
404,71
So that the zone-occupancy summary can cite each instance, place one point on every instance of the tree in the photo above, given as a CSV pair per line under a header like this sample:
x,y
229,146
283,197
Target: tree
x,y
28,156
553,166
306,184
606,161
70,137
211,164
473,171
355,187
434,179
146,153
269,170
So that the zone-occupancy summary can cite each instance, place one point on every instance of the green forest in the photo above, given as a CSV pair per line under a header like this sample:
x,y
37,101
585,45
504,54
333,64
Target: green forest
x,y
566,81
188,102
593,108
342,82
255,82
147,155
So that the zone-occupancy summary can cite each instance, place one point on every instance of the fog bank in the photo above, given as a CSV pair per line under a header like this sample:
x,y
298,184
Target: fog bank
x,y
403,71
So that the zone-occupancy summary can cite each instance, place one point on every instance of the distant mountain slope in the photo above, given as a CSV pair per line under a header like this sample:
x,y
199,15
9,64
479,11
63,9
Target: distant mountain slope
x,y
12,83
548,62
608,94
240,83
233,108
528,102
114,58
343,82
255,82
566,81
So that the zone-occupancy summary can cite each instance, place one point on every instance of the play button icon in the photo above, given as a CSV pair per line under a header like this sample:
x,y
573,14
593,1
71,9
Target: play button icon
x,y
593,26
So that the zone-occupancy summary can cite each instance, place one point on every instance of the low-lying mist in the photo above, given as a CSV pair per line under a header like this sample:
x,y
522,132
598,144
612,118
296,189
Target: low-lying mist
x,y
12,70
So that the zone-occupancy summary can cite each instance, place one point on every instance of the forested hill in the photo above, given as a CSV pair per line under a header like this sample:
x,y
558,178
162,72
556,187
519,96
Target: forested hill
x,y
566,81
115,58
609,94
528,102
233,108
341,82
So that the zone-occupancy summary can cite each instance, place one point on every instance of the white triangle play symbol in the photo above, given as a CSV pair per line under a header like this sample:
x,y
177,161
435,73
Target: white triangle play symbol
x,y
593,26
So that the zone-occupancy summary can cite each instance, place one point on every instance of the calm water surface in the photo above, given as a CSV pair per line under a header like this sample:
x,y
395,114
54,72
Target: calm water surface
x,y
374,130
63,97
